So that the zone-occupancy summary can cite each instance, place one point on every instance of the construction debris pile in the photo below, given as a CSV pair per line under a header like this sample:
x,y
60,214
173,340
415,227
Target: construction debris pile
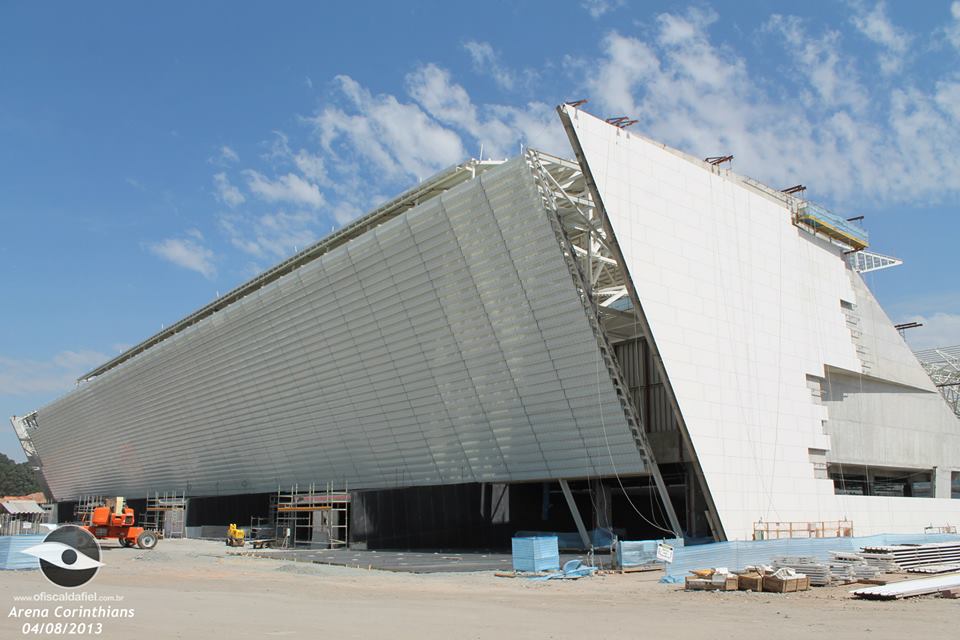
x,y
843,568
797,573
753,578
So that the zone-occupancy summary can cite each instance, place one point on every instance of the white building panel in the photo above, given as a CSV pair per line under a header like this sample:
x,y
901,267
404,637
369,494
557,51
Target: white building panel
x,y
446,345
742,305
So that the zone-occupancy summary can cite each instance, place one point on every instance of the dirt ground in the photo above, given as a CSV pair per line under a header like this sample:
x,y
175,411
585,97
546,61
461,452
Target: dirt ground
x,y
192,589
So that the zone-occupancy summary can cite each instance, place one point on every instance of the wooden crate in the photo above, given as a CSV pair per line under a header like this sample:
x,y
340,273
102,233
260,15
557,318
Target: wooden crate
x,y
774,584
750,582
706,584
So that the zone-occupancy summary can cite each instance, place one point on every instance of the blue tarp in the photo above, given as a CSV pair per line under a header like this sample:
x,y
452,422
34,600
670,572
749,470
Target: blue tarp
x,y
634,553
536,553
10,552
571,540
572,569
737,555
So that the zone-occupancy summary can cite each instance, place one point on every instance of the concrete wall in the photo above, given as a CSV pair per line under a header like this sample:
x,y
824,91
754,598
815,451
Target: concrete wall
x,y
744,306
876,422
894,416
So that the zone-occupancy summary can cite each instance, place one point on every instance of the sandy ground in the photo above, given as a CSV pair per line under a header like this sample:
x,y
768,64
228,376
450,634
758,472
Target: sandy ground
x,y
192,589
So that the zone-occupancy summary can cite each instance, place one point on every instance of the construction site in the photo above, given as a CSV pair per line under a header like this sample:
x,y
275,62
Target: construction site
x,y
567,383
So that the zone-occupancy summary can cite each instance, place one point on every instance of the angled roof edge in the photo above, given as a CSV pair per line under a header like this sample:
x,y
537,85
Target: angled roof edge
x,y
713,515
791,202
429,188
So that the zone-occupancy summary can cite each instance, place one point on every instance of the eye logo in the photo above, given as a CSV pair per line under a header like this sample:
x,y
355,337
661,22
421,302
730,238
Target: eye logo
x,y
69,556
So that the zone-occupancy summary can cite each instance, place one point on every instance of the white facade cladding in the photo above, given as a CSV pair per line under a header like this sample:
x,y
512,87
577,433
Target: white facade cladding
x,y
449,344
542,319
747,311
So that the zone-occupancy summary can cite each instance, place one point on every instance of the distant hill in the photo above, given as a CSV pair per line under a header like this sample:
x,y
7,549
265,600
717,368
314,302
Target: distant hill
x,y
16,479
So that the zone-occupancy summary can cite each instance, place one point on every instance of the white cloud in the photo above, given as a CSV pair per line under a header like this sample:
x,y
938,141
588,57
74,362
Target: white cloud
x,y
397,137
820,60
597,8
876,26
188,253
272,235
939,330
311,166
58,374
487,61
226,192
500,129
228,154
225,156
278,149
290,188
952,30
846,143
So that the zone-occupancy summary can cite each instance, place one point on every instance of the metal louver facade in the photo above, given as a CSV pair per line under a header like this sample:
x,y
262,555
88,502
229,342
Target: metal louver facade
x,y
447,345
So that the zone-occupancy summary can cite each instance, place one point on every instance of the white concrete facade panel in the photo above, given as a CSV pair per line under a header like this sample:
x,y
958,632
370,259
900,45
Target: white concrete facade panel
x,y
742,306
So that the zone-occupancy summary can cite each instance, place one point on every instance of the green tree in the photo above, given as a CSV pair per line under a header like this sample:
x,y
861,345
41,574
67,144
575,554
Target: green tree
x,y
16,479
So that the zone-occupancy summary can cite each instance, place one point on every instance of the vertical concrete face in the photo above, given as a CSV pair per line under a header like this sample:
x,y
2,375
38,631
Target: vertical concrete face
x,y
744,306
447,345
892,415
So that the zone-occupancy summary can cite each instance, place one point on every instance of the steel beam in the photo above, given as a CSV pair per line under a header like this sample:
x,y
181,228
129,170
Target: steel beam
x,y
575,512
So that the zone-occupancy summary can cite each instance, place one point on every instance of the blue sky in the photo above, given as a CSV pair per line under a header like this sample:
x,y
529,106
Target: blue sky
x,y
151,159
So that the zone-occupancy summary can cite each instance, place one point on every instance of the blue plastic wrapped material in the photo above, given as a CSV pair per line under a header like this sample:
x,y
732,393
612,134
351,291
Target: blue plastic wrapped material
x,y
737,555
572,540
539,553
635,553
10,552
572,570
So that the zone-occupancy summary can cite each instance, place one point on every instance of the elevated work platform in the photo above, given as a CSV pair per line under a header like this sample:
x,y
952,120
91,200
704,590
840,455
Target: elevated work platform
x,y
832,225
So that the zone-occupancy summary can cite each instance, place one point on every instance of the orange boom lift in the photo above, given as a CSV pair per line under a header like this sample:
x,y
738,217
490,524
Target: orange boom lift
x,y
115,520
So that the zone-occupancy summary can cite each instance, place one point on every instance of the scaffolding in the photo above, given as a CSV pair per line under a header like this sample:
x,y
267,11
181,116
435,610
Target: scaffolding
x,y
166,513
824,221
312,517
264,528
85,506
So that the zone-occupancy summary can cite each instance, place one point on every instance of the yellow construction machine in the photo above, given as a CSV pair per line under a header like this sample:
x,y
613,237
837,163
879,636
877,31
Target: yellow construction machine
x,y
235,536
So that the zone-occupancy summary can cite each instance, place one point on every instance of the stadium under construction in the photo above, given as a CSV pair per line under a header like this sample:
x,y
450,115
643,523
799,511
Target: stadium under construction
x,y
632,341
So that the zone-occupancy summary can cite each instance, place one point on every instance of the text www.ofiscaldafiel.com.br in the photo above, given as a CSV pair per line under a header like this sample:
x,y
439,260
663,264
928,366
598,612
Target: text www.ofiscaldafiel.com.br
x,y
68,613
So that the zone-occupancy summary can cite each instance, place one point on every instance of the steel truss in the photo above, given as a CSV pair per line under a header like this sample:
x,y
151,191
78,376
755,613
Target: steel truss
x,y
943,367
570,197
602,284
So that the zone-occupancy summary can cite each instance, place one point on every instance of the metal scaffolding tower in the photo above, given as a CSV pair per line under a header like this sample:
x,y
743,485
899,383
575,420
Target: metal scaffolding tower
x,y
311,517
166,514
85,506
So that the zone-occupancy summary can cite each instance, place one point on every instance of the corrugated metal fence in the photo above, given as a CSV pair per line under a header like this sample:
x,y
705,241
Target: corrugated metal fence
x,y
10,552
737,555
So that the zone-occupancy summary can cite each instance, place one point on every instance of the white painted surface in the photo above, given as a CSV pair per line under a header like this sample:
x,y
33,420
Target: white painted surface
x,y
447,345
743,305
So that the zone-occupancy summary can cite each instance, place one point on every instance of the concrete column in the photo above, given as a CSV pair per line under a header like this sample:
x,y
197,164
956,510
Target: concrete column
x,y
942,479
